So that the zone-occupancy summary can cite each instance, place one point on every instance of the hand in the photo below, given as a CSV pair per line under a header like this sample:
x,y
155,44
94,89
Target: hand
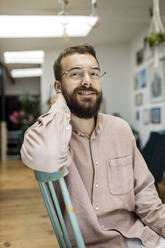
x,y
54,99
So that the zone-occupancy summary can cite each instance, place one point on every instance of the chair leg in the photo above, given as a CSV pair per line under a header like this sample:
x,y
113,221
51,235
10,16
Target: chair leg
x,y
58,210
71,214
52,215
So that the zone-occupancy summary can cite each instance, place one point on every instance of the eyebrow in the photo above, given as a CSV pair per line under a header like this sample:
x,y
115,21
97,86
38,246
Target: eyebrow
x,y
81,67
95,68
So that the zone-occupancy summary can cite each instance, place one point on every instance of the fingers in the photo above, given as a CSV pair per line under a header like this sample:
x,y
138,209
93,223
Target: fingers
x,y
58,91
58,95
53,100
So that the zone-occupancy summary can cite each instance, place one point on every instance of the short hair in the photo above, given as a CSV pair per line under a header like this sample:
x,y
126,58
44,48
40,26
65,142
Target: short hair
x,y
81,49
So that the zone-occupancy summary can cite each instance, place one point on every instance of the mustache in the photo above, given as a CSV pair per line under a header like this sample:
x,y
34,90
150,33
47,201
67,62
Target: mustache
x,y
86,89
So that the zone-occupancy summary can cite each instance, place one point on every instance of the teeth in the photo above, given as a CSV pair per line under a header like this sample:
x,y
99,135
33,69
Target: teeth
x,y
86,92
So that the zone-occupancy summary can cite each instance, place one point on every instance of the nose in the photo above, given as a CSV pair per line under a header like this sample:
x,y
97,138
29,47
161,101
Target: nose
x,y
86,79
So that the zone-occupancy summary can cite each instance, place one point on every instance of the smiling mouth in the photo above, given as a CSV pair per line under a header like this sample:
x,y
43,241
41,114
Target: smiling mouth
x,y
86,93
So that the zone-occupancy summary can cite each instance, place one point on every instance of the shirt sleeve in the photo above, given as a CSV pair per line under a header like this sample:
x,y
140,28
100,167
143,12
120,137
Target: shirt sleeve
x,y
46,143
148,205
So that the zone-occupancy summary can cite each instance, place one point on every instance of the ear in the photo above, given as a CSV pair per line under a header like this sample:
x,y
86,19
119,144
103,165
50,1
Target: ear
x,y
57,86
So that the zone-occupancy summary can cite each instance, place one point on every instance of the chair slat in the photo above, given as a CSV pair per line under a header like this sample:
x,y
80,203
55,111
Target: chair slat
x,y
45,181
52,215
59,213
71,214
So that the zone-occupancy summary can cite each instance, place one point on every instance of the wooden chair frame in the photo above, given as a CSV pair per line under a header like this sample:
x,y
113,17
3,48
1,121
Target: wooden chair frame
x,y
45,181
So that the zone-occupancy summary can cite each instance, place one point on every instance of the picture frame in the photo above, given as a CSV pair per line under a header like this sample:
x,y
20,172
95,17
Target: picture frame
x,y
137,115
156,115
139,99
136,82
146,116
157,82
143,78
140,56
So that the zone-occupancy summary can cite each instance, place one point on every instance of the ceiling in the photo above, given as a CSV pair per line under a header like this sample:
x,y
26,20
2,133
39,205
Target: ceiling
x,y
121,20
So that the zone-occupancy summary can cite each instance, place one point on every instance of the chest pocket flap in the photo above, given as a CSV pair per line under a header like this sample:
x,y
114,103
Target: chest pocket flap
x,y
120,175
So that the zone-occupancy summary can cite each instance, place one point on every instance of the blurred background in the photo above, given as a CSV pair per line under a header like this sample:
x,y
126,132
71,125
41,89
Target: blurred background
x,y
129,39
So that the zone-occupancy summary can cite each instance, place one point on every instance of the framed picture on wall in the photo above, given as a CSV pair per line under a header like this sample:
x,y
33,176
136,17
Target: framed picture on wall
x,y
146,116
139,99
136,82
140,56
137,115
156,115
143,78
157,82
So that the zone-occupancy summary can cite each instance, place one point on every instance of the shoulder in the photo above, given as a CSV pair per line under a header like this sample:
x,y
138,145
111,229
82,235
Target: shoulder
x,y
116,125
114,121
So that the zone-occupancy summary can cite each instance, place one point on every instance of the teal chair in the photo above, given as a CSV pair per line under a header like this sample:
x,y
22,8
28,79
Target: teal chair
x,y
45,181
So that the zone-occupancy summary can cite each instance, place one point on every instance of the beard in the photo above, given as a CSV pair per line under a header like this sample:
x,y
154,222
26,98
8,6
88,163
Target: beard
x,y
88,107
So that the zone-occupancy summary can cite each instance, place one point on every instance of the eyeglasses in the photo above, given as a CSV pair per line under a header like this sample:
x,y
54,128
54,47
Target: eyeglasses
x,y
77,74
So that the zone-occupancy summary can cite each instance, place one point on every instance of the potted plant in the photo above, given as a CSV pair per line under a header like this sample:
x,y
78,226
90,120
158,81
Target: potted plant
x,y
155,39
31,106
17,119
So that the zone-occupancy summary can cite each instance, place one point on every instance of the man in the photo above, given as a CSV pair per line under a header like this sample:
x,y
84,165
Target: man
x,y
111,188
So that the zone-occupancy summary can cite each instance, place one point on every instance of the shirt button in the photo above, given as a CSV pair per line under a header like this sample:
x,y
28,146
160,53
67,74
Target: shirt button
x,y
97,208
67,127
97,185
96,163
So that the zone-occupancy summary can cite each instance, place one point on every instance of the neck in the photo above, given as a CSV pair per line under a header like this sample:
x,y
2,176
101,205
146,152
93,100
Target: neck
x,y
85,126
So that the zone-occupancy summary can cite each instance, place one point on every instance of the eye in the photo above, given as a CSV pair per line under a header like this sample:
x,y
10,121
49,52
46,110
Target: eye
x,y
95,73
75,74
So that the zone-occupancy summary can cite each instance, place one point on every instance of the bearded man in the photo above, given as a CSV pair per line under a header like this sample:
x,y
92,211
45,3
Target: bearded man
x,y
111,188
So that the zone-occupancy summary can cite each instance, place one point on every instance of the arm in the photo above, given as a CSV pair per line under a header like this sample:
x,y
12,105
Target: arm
x,y
148,204
46,143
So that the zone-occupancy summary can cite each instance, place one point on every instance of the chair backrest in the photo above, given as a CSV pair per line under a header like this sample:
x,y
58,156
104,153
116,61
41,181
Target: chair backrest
x,y
49,195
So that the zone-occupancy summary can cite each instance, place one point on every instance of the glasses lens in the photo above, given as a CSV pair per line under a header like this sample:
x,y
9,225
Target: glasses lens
x,y
75,74
78,74
94,74
102,74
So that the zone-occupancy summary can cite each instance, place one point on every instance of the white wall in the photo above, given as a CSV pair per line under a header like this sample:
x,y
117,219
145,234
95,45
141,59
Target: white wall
x,y
114,59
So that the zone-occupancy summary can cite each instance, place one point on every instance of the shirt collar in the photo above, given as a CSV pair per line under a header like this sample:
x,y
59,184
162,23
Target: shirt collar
x,y
99,123
98,127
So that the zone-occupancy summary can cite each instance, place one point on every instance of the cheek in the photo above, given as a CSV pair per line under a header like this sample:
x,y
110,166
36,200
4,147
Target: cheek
x,y
69,87
98,87
72,87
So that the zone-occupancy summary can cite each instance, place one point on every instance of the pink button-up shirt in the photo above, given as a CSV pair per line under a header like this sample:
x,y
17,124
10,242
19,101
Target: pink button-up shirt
x,y
111,188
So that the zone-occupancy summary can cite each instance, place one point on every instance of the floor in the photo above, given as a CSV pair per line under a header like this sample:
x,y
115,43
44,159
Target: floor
x,y
24,222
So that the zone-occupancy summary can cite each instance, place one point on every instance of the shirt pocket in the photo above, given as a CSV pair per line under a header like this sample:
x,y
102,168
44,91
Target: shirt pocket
x,y
120,175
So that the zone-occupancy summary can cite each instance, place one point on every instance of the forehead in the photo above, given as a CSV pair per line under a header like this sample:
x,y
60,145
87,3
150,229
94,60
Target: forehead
x,y
77,59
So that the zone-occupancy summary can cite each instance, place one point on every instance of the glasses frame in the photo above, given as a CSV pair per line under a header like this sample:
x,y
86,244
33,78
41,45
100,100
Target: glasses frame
x,y
66,72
